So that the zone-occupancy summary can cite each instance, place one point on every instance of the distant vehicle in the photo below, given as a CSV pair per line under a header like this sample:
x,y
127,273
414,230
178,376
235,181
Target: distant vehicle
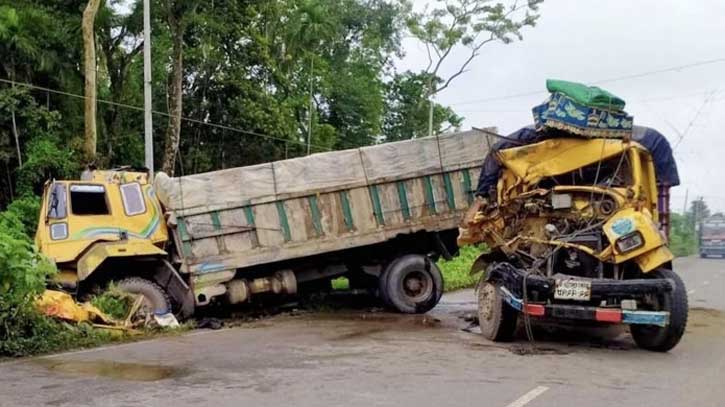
x,y
712,237
379,215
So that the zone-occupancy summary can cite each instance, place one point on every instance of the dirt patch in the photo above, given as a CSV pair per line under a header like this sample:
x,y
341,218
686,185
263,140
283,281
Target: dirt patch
x,y
113,370
706,322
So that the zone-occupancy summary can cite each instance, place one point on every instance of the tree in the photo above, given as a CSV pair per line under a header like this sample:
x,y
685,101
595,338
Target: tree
x,y
407,110
89,68
178,14
465,23
698,212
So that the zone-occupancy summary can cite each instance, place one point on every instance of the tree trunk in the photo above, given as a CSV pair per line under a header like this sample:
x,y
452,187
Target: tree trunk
x,y
89,63
173,131
17,138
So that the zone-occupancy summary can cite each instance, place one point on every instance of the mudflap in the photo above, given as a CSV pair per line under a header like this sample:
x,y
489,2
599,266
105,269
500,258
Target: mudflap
x,y
181,294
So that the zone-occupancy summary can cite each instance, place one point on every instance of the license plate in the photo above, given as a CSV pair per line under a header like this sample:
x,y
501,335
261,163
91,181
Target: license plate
x,y
577,290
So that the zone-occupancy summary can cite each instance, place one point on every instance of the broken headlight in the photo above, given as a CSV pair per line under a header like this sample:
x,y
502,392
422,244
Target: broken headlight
x,y
630,242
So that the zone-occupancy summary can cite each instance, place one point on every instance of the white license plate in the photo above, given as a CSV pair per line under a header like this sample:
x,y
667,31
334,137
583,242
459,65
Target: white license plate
x,y
577,290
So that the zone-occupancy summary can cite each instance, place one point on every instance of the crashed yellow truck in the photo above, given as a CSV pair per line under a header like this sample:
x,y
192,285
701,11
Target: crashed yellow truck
x,y
575,212
380,215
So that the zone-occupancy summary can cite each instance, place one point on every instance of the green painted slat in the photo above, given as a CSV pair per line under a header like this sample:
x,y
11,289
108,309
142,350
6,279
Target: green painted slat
x,y
184,234
346,210
215,221
377,207
450,197
249,214
316,216
467,186
403,197
283,222
429,198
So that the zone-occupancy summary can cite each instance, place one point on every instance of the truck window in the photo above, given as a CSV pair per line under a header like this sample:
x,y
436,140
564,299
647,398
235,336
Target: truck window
x,y
57,202
133,203
88,200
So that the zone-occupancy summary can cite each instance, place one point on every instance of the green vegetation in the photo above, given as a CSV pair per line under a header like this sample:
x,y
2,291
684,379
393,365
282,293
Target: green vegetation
x,y
683,238
23,273
457,272
113,302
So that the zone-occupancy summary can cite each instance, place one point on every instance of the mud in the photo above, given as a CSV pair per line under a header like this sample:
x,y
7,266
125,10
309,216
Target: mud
x,y
137,372
706,322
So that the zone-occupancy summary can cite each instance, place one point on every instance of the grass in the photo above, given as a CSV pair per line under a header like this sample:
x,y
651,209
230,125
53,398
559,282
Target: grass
x,y
457,272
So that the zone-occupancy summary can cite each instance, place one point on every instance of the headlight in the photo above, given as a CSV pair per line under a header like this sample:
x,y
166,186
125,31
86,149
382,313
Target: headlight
x,y
630,242
58,231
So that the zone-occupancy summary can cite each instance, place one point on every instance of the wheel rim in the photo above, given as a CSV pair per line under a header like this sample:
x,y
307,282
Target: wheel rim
x,y
487,301
417,285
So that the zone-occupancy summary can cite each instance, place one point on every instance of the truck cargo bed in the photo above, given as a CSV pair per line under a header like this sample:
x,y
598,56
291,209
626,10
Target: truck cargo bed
x,y
237,218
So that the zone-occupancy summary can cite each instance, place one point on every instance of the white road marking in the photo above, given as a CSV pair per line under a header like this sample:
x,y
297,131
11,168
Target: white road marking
x,y
691,292
526,398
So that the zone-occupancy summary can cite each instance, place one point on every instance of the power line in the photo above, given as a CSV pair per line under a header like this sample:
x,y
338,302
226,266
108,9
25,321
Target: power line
x,y
187,119
598,82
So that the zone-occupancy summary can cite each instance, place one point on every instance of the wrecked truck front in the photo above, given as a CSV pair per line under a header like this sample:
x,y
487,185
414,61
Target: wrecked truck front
x,y
574,232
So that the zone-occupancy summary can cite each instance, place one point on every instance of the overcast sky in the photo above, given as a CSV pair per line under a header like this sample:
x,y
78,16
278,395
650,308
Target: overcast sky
x,y
588,41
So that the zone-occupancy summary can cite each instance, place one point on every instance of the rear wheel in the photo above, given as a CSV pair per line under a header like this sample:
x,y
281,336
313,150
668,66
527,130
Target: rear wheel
x,y
496,318
662,339
154,299
411,284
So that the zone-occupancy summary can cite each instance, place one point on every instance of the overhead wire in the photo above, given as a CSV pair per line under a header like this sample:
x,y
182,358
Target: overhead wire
x,y
598,82
165,114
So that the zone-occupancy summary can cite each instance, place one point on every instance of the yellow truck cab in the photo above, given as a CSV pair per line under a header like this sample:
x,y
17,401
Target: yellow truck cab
x,y
109,226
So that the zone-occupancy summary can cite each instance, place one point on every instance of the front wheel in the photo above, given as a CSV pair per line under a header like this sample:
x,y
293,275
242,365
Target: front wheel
x,y
662,339
154,298
496,318
411,284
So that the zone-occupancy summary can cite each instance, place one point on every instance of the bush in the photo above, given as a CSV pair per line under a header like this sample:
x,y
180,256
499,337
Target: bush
x,y
21,217
113,302
457,272
23,273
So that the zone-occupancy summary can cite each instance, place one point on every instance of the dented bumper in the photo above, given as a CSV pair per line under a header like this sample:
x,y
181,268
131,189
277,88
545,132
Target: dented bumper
x,y
587,313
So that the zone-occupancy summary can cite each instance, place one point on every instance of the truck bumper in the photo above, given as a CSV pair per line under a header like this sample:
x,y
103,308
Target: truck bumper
x,y
587,313
712,251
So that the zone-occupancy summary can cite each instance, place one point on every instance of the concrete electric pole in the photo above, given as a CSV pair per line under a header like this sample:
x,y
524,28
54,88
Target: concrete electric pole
x,y
148,124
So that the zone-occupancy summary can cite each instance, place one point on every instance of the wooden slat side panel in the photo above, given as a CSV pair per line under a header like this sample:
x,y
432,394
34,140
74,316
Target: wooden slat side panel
x,y
362,210
299,219
268,226
390,203
439,194
236,219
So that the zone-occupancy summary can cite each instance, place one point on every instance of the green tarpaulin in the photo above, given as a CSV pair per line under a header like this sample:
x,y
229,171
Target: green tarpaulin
x,y
586,95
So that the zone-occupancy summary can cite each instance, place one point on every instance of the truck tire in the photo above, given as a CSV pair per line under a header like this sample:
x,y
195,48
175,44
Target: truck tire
x,y
411,284
496,318
155,298
662,339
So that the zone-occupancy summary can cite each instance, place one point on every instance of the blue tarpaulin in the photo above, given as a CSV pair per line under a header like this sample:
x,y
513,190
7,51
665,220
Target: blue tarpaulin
x,y
651,139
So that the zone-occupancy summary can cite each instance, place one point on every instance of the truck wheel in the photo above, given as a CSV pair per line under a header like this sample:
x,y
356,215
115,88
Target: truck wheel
x,y
155,299
662,339
496,318
411,284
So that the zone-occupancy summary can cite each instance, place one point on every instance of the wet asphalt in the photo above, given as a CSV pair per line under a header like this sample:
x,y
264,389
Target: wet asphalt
x,y
364,357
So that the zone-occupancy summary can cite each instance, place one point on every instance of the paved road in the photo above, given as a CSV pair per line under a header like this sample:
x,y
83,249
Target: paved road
x,y
370,359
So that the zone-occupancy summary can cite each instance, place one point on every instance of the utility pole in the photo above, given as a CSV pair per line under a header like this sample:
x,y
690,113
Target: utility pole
x,y
147,117
684,207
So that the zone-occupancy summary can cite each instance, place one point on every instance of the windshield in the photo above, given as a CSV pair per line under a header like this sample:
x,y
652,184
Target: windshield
x,y
713,228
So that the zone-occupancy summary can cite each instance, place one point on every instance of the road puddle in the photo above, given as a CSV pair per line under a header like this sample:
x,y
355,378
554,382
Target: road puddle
x,y
113,370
